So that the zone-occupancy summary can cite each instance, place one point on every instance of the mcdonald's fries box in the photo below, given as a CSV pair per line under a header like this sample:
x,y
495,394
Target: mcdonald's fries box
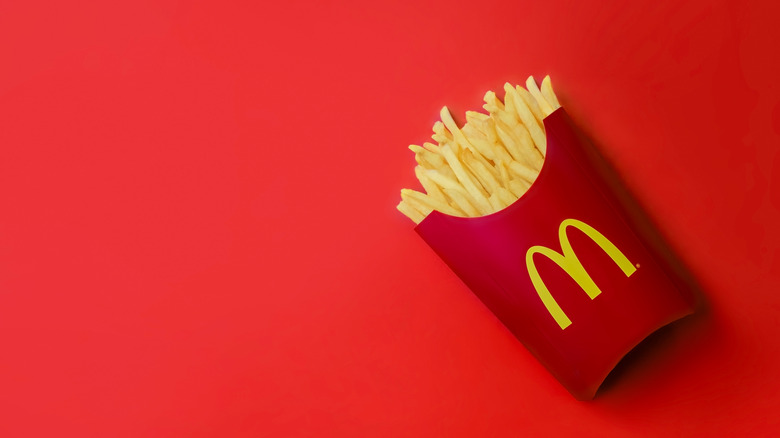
x,y
563,268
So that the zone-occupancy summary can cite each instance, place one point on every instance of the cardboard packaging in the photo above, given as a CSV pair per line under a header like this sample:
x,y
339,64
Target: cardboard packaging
x,y
562,267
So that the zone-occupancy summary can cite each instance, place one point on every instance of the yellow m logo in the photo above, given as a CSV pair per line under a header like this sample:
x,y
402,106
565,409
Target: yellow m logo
x,y
569,262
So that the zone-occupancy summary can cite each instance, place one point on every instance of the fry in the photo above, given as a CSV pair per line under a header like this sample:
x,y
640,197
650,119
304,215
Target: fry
x,y
530,102
479,140
468,183
506,134
410,212
530,122
492,104
482,173
522,171
440,133
444,181
500,151
451,126
503,173
518,187
495,203
432,147
549,94
462,202
530,84
426,158
428,184
488,163
505,196
422,201
474,115
519,144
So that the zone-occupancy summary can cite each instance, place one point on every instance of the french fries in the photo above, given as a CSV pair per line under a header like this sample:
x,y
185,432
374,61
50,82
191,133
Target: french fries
x,y
489,162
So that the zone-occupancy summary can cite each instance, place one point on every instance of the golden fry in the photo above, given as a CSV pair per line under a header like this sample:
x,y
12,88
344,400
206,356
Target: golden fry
x,y
424,202
518,187
531,103
481,172
495,203
522,171
549,94
463,176
410,212
488,163
531,123
530,84
461,200
428,184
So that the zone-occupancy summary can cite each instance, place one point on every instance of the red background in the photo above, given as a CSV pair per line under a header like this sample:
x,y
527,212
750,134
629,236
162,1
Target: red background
x,y
198,234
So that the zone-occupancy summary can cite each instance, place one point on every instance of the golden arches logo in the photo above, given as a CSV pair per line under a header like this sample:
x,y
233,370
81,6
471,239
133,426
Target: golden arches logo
x,y
569,262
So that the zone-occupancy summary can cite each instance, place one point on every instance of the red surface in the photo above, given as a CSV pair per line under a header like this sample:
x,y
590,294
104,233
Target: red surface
x,y
198,234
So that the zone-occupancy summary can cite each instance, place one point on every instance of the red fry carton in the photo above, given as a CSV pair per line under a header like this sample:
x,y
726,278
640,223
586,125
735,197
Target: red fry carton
x,y
562,267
